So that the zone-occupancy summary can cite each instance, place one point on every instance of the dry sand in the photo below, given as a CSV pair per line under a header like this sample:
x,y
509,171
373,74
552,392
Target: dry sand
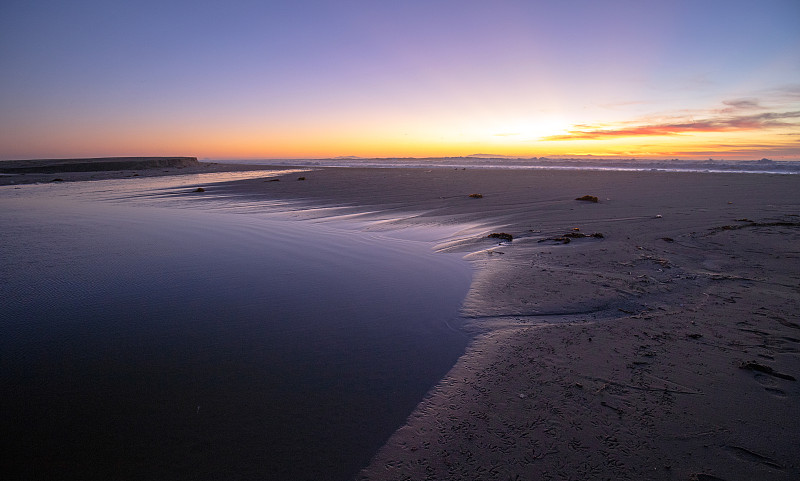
x,y
667,349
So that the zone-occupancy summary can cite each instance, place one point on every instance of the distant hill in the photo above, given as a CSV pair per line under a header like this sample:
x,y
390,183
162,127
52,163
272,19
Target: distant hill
x,y
97,164
496,156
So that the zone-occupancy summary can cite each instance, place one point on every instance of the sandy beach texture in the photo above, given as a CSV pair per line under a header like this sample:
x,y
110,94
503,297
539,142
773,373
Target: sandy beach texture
x,y
666,346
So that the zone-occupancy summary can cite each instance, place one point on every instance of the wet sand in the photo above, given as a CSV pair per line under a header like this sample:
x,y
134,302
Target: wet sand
x,y
668,348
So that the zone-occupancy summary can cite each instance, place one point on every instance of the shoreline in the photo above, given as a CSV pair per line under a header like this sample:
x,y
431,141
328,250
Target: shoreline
x,y
763,166
666,349
21,172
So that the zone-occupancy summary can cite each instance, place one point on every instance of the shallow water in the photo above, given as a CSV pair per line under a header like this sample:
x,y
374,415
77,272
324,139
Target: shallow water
x,y
146,342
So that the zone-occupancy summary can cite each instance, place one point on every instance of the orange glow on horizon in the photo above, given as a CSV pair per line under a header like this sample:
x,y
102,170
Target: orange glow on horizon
x,y
737,138
280,80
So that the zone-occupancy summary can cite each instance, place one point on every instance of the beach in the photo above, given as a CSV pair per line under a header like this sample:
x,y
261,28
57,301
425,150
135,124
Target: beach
x,y
652,334
665,349
400,241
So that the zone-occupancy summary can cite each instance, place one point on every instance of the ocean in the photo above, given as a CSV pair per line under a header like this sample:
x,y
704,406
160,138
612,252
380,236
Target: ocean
x,y
763,166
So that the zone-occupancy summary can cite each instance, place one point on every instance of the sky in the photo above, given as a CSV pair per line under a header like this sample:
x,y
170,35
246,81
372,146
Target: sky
x,y
241,79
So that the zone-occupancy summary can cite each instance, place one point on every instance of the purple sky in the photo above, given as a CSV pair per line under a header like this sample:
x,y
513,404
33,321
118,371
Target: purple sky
x,y
250,79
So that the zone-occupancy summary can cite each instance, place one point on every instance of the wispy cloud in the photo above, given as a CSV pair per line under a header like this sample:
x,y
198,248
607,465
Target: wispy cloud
x,y
787,93
720,123
737,105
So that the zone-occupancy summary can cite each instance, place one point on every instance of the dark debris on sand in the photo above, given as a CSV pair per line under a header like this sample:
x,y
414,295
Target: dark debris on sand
x,y
750,223
567,238
754,366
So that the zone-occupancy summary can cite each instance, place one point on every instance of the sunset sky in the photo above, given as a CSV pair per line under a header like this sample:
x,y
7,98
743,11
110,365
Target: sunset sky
x,y
302,79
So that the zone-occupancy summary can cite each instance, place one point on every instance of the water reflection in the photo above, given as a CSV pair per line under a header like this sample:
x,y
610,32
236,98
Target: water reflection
x,y
159,343
133,188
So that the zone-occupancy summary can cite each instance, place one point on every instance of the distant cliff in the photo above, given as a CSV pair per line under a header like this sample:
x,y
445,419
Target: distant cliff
x,y
48,166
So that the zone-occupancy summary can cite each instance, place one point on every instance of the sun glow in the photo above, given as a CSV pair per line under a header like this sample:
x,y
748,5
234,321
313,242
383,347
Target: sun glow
x,y
528,130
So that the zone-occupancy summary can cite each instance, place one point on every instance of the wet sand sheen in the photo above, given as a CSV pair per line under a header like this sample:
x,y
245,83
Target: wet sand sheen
x,y
147,343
